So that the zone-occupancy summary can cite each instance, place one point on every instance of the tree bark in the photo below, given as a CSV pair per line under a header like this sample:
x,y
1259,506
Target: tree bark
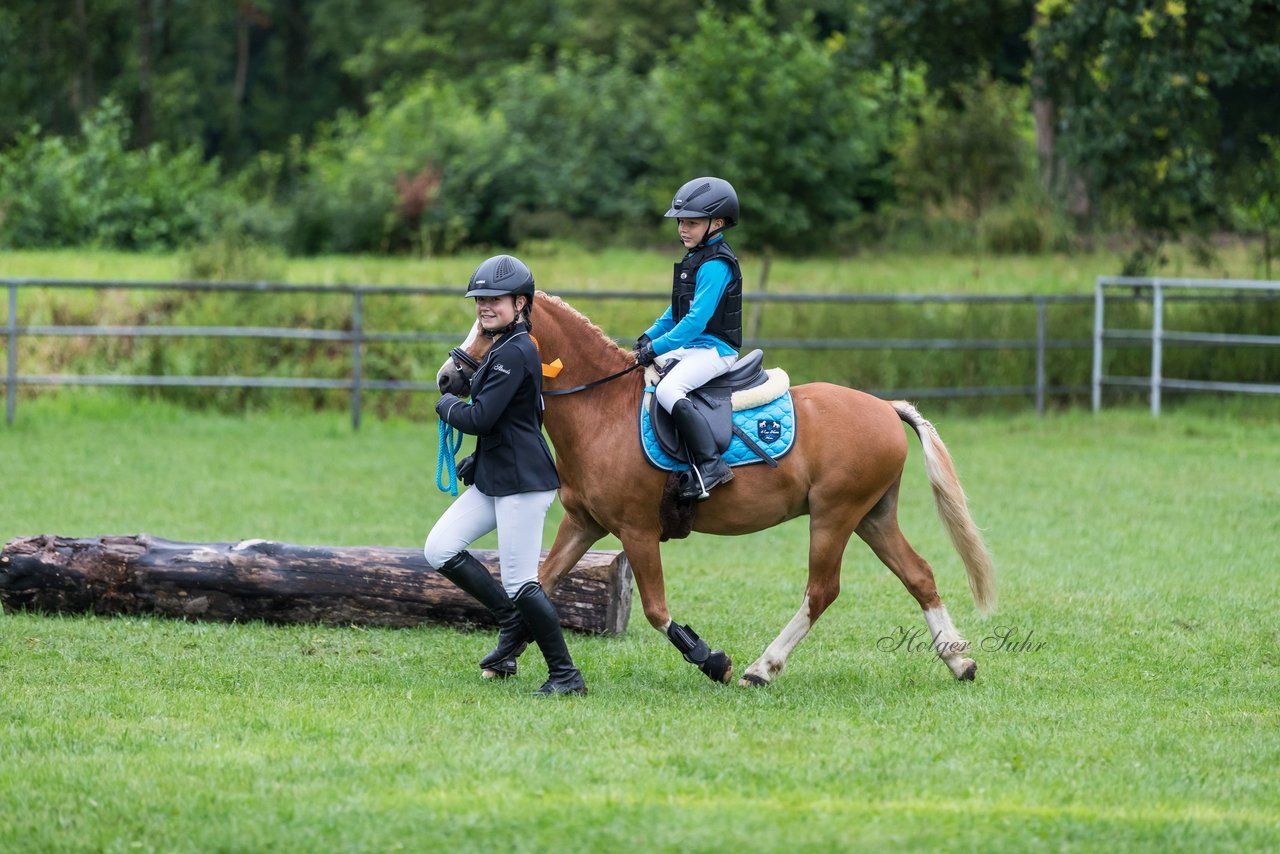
x,y
145,26
83,96
1045,113
280,583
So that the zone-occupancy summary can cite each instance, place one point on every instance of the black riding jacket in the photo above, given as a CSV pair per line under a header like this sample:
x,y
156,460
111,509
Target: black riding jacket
x,y
506,415
726,323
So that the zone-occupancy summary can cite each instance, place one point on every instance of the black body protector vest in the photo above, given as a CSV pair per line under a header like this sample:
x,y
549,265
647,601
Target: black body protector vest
x,y
726,323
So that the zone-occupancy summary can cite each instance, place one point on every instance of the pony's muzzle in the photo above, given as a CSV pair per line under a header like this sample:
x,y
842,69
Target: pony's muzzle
x,y
451,382
454,376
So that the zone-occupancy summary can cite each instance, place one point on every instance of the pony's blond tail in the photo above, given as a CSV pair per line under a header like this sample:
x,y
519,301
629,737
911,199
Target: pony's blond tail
x,y
953,509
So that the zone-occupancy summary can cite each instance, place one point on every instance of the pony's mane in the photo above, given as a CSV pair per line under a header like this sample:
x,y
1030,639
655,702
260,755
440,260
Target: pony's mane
x,y
578,317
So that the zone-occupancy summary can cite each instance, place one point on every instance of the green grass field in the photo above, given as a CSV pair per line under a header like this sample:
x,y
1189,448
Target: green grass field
x,y
1137,556
561,268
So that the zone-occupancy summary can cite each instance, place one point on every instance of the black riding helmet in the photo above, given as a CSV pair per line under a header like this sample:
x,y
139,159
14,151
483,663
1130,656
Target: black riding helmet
x,y
499,276
713,198
504,275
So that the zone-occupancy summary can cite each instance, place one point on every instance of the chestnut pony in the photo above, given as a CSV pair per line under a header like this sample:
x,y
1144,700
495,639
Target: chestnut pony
x,y
844,471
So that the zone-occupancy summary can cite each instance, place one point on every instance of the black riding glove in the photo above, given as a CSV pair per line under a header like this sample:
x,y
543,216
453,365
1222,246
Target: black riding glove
x,y
444,403
467,470
644,353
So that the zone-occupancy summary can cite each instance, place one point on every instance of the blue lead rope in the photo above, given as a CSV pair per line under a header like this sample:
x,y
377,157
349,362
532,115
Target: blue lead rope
x,y
450,444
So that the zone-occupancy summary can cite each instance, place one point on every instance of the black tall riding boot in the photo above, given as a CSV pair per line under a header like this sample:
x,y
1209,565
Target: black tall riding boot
x,y
471,577
708,468
540,614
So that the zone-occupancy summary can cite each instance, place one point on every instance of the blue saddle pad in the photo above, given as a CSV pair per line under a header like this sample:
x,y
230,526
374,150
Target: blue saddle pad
x,y
772,426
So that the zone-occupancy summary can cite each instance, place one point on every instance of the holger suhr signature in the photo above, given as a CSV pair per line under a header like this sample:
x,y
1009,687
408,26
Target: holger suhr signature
x,y
918,639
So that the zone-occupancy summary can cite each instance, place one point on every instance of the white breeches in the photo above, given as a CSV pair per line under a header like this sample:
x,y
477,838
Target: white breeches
x,y
518,519
697,366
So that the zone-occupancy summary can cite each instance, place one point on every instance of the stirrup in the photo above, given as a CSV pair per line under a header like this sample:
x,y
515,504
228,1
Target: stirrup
x,y
696,487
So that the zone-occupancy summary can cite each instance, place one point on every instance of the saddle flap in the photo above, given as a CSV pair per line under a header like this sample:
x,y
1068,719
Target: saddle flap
x,y
664,426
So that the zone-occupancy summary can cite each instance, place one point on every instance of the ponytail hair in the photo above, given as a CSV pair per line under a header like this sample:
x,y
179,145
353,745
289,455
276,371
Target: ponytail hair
x,y
526,313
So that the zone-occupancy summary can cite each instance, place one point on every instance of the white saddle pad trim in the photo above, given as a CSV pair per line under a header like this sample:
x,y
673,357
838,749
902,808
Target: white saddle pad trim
x,y
773,388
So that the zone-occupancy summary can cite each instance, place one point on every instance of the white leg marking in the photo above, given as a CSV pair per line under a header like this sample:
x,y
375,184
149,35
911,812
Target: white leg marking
x,y
951,648
770,664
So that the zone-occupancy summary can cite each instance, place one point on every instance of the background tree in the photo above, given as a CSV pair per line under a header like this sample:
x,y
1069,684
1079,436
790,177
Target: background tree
x,y
800,133
1257,205
958,42
1138,90
524,118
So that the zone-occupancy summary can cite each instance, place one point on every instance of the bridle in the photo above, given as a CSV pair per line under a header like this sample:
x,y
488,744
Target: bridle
x,y
462,360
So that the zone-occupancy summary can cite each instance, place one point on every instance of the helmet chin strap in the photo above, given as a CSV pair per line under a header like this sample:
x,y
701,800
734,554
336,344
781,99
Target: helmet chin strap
x,y
498,333
711,232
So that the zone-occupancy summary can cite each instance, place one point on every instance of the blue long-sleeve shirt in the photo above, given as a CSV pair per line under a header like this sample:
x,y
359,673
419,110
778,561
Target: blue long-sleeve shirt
x,y
667,335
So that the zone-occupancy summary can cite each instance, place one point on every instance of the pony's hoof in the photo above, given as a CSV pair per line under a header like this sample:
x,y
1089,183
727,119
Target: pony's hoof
x,y
750,680
718,667
969,670
492,673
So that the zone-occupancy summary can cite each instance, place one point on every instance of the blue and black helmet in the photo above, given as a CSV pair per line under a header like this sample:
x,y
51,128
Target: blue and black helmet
x,y
713,198
499,276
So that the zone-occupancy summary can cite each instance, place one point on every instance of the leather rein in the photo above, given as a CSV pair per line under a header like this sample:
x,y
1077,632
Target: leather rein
x,y
460,358
577,388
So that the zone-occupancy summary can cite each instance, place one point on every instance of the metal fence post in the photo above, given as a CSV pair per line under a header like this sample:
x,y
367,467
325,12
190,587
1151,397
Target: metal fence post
x,y
1157,344
11,372
1041,306
357,340
1096,384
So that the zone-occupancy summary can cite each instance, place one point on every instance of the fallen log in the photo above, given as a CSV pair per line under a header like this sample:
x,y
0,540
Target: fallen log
x,y
280,583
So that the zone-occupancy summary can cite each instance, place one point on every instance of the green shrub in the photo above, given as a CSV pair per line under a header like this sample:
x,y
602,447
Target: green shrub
x,y
232,258
918,228
802,134
973,155
443,164
1027,224
91,190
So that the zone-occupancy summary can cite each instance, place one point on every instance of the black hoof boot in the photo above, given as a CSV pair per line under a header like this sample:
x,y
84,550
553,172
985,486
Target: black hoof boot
x,y
715,665
514,636
540,615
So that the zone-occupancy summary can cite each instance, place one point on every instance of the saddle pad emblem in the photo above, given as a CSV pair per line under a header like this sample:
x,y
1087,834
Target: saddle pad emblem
x,y
772,426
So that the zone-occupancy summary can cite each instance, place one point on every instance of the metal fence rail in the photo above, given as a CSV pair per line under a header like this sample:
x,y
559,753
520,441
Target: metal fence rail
x,y
1156,291
358,336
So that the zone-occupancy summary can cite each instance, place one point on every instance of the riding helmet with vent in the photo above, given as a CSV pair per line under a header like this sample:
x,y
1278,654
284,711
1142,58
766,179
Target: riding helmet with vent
x,y
499,276
706,197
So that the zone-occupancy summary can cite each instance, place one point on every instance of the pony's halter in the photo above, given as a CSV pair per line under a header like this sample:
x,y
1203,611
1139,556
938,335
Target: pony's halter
x,y
463,362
